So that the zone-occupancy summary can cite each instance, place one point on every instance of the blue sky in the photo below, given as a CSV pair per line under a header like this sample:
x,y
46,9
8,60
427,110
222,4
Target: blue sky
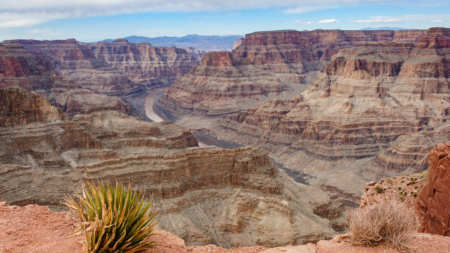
x,y
93,20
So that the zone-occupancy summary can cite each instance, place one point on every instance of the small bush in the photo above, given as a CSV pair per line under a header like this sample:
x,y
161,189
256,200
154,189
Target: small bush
x,y
379,189
390,222
114,219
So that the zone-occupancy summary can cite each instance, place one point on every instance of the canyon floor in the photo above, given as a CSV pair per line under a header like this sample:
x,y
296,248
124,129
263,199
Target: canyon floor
x,y
36,229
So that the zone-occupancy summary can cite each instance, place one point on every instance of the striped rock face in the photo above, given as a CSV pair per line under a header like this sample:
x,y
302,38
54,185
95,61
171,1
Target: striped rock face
x,y
206,195
266,65
376,111
36,74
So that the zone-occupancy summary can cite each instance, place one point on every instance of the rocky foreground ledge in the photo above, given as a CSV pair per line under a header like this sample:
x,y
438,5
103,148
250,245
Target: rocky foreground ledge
x,y
36,229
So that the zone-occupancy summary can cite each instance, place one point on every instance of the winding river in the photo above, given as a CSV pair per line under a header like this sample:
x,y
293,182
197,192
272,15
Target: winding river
x,y
150,100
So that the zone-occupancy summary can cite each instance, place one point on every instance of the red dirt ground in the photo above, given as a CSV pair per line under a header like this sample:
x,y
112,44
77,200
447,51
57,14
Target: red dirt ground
x,y
33,229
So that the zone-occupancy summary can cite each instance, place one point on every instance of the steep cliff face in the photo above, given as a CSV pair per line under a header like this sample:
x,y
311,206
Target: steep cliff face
x,y
76,62
205,195
434,199
19,68
387,101
238,43
148,66
197,53
267,65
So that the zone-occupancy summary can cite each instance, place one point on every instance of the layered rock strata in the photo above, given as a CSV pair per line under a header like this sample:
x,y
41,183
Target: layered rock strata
x,y
76,62
144,64
19,68
267,65
434,199
205,195
377,106
197,53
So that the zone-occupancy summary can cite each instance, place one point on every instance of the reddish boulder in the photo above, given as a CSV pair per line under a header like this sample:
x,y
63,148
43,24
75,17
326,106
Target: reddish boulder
x,y
434,199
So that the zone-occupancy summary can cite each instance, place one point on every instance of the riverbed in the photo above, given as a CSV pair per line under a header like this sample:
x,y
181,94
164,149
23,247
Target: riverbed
x,y
149,101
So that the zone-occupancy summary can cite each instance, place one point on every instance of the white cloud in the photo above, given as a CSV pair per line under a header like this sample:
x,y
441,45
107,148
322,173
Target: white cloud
x,y
401,19
327,21
377,21
31,12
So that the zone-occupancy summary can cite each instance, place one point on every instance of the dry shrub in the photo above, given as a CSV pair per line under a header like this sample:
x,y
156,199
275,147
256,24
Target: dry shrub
x,y
383,221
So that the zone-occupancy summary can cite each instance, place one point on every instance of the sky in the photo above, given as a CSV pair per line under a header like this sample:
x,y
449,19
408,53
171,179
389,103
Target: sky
x,y
95,20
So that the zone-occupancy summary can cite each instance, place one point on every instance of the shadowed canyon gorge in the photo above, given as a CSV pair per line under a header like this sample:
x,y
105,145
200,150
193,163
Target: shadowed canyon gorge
x,y
305,120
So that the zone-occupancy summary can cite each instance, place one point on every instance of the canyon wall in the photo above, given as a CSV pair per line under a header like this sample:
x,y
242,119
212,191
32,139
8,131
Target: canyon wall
x,y
205,195
76,62
376,110
434,204
19,68
148,66
266,65
117,68
197,53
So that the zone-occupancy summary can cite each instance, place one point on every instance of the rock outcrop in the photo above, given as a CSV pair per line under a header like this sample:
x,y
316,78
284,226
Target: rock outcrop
x,y
148,66
377,107
19,68
267,65
205,195
434,199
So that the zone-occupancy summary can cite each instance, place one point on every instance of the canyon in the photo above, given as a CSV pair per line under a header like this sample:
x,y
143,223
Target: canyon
x,y
205,194
377,105
19,68
113,68
266,65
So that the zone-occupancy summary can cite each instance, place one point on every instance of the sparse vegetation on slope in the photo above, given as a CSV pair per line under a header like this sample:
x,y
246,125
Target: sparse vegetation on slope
x,y
114,219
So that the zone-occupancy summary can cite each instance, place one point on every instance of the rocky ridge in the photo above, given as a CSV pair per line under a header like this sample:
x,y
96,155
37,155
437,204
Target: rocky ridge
x,y
19,68
267,65
206,195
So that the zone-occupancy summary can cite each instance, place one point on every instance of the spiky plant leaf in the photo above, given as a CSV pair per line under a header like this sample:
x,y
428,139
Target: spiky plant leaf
x,y
114,219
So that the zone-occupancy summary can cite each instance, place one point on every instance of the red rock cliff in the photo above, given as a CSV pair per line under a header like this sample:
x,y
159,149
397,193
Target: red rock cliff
x,y
434,199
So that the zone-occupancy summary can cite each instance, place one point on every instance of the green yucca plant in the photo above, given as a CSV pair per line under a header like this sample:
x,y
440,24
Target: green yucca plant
x,y
114,219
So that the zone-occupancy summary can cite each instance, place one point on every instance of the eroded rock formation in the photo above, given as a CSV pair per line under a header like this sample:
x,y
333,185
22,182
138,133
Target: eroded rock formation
x,y
434,199
19,68
197,53
148,66
267,65
206,195
376,111
76,62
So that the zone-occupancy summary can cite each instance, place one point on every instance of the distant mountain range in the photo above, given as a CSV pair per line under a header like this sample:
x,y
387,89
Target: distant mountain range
x,y
202,42
387,28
